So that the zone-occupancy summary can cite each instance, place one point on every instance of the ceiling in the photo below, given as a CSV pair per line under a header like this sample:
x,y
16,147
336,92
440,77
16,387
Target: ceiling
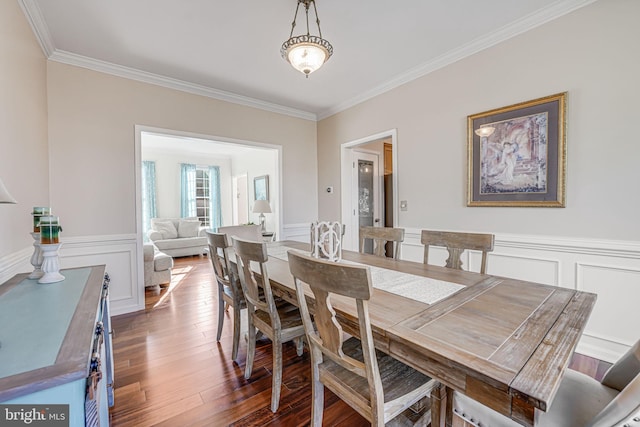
x,y
230,50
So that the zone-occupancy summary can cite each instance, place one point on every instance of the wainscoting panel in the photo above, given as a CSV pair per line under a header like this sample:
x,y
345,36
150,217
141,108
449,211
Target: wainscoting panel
x,y
539,270
118,253
618,303
15,263
297,232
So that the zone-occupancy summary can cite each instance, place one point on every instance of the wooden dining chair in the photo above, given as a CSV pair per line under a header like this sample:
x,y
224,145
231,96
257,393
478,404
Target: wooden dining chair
x,y
380,236
229,290
374,384
581,401
456,243
280,322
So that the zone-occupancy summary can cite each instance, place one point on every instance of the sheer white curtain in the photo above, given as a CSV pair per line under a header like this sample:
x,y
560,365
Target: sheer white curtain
x,y
215,209
148,195
188,190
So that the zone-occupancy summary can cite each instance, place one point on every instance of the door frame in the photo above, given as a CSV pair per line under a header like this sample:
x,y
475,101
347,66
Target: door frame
x,y
235,209
350,240
358,154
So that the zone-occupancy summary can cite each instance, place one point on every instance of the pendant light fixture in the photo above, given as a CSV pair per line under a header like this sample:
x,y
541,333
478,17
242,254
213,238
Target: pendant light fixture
x,y
306,53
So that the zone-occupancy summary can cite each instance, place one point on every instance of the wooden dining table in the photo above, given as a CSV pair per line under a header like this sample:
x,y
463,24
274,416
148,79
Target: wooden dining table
x,y
501,341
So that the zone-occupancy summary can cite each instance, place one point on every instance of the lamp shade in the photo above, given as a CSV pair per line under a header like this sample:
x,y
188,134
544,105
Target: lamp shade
x,y
261,206
5,197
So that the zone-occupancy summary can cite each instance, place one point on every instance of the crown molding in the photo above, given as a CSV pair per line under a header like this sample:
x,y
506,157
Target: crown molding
x,y
40,29
513,29
171,83
34,16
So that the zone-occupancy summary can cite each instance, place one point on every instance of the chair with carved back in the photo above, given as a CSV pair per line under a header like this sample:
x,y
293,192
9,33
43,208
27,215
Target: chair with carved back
x,y
456,243
276,319
380,237
248,232
374,384
580,401
229,290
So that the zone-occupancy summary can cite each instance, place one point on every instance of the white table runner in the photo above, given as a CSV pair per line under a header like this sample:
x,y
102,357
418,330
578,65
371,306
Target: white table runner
x,y
419,288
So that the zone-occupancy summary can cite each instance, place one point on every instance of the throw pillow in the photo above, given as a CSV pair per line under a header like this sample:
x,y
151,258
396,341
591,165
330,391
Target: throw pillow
x,y
188,228
165,227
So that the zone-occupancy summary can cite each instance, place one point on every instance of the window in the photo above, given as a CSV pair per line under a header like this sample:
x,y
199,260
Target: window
x,y
203,195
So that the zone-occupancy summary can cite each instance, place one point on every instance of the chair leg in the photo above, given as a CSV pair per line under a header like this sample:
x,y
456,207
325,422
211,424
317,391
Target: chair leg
x,y
299,345
220,313
251,347
236,333
276,383
317,396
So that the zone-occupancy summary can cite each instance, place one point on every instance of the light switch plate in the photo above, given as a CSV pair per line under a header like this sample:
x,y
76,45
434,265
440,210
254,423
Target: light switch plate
x,y
403,205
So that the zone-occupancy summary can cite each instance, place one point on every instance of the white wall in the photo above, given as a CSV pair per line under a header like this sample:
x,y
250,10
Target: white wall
x,y
69,143
255,163
588,53
24,154
591,54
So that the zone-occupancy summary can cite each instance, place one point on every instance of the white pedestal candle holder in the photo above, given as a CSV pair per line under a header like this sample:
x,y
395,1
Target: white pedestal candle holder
x,y
50,263
36,258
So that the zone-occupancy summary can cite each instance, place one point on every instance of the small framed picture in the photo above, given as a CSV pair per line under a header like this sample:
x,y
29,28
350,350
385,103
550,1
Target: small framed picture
x,y
516,155
261,187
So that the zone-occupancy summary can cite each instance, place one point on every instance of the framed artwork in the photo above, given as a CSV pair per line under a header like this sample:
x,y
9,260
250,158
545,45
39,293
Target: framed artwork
x,y
261,187
516,155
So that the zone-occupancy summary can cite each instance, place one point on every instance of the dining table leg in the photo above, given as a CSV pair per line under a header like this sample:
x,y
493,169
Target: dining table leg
x,y
438,405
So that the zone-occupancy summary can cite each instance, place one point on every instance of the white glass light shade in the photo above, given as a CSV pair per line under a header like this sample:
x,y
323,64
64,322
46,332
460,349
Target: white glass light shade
x,y
261,206
5,197
307,57
485,131
305,52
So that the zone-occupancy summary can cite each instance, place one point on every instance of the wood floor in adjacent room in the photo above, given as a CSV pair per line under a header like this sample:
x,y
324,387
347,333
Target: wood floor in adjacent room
x,y
170,371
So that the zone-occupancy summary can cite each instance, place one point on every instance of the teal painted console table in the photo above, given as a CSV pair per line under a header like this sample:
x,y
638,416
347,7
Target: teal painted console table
x,y
55,344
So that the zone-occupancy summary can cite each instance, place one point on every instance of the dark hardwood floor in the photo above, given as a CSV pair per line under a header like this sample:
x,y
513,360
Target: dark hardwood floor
x,y
170,371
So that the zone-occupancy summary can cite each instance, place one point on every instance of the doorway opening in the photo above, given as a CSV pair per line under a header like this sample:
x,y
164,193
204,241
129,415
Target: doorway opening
x,y
369,185
237,162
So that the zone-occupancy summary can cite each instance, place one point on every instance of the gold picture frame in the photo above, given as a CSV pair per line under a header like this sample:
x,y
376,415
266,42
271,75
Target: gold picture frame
x,y
516,155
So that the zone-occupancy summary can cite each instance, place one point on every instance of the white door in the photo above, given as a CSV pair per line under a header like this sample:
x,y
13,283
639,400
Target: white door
x,y
241,200
366,200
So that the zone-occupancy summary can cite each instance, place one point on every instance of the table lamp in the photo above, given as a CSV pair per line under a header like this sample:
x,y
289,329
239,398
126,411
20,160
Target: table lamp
x,y
262,207
5,197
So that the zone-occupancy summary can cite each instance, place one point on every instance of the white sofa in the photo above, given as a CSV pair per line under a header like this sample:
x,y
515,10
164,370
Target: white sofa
x,y
157,266
178,236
